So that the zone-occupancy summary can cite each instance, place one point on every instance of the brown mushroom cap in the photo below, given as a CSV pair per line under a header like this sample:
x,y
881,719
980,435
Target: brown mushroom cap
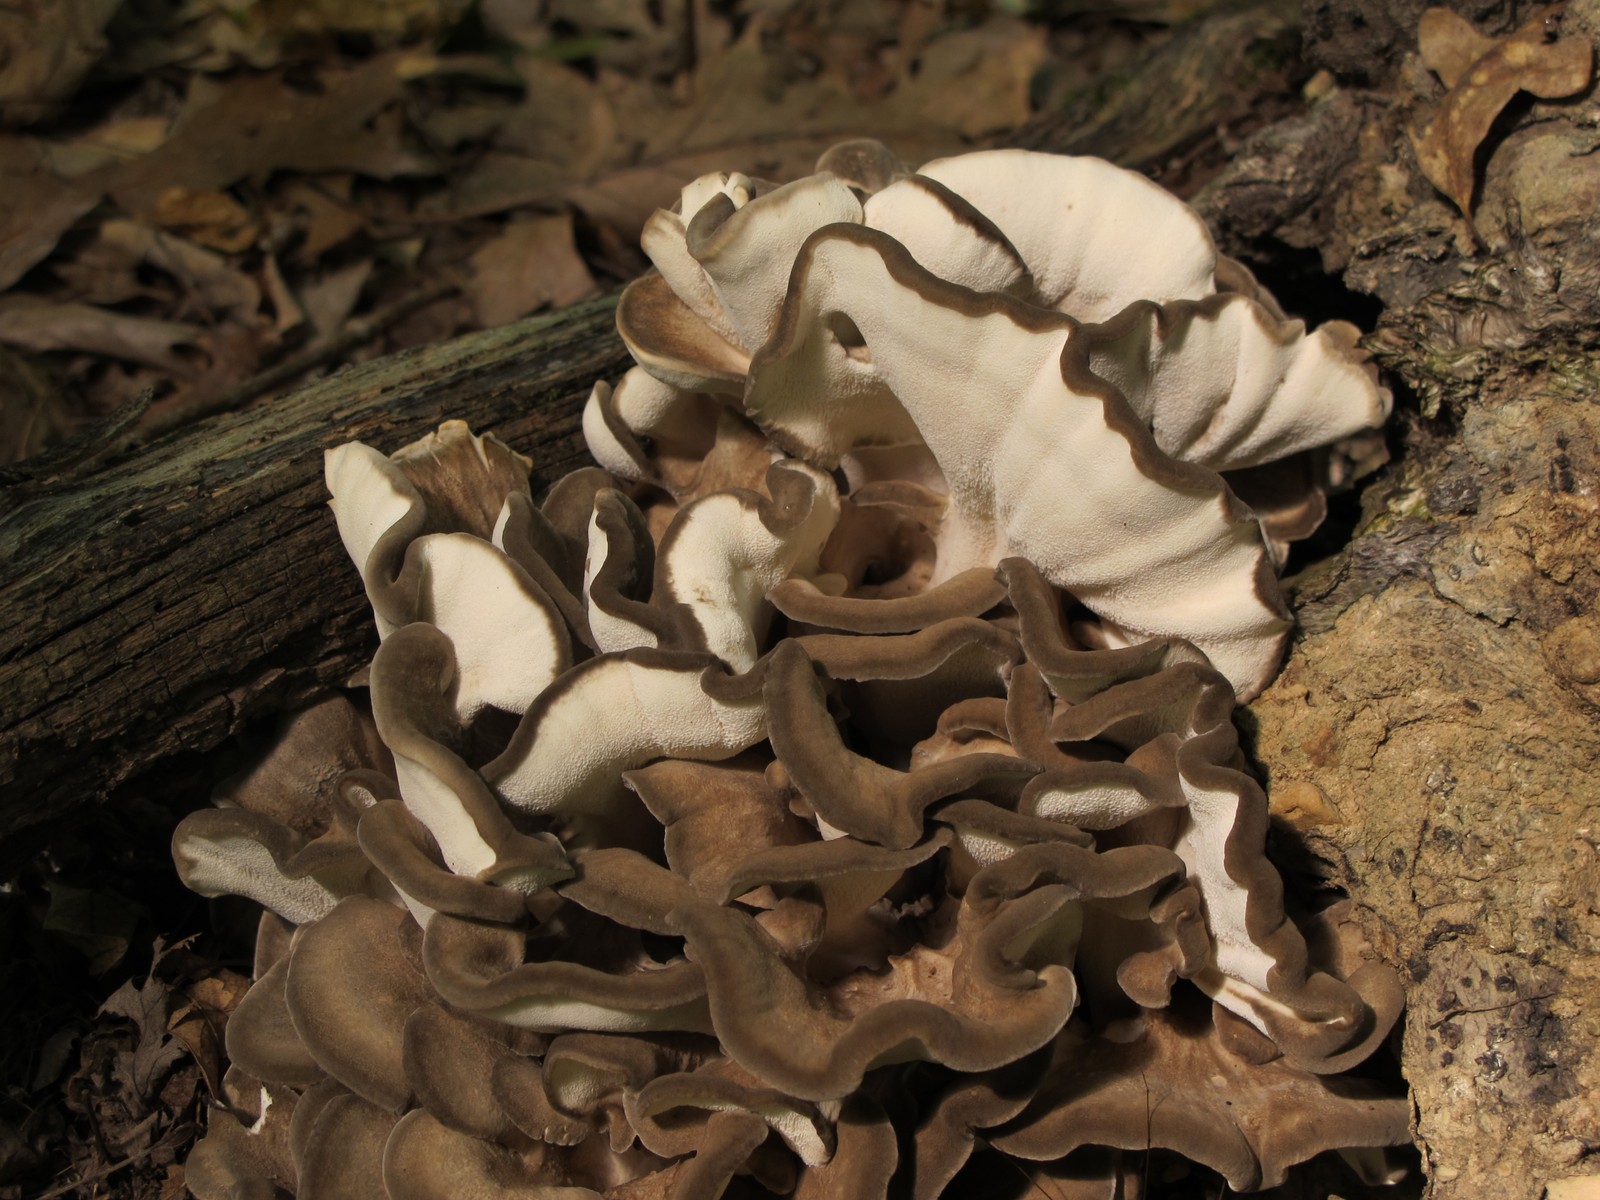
x,y
1174,1085
352,980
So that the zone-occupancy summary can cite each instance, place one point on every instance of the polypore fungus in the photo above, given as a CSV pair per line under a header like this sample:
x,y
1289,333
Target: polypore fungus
x,y
845,775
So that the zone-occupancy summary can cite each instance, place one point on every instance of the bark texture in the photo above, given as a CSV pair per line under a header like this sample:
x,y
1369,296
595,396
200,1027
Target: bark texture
x,y
152,608
1432,741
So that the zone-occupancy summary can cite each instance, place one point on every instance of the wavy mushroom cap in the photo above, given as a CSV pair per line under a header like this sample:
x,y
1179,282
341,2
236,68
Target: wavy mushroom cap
x,y
845,773
1052,345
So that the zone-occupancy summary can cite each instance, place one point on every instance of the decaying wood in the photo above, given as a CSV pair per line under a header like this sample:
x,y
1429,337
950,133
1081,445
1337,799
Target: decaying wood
x,y
1431,746
154,606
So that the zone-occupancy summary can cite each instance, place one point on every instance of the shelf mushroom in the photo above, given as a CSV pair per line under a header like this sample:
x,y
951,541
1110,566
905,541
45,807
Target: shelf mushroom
x,y
843,772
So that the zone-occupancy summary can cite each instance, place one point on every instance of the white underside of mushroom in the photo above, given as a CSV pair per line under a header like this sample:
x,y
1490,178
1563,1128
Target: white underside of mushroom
x,y
1095,237
1202,844
554,1014
1227,386
720,559
436,805
369,495
510,643
612,715
1067,478
240,866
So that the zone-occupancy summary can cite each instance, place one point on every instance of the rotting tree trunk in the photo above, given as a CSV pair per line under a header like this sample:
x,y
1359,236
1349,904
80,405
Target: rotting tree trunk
x,y
157,605
1432,744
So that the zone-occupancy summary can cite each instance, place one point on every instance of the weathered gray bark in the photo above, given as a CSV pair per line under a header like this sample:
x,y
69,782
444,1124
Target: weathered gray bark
x,y
156,605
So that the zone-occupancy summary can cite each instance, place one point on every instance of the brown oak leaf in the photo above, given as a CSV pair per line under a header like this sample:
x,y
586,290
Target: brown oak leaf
x,y
1483,74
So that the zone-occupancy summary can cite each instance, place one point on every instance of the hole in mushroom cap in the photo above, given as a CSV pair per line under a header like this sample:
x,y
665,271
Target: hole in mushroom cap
x,y
850,338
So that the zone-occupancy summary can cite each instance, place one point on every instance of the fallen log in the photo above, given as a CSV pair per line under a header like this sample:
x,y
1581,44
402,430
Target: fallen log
x,y
158,604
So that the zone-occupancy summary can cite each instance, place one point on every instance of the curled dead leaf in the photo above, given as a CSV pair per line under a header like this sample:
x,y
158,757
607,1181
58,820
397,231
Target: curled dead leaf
x,y
39,208
212,218
209,281
1483,74
253,126
532,263
200,1020
46,48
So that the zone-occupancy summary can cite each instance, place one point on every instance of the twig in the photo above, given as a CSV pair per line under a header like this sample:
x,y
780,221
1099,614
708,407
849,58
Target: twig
x,y
164,418
176,1133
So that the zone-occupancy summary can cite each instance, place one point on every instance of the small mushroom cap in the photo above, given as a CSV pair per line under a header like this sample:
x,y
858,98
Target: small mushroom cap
x,y
451,481
853,793
339,1141
260,1036
448,1058
352,982
423,1159
863,163
413,674
236,1161
228,851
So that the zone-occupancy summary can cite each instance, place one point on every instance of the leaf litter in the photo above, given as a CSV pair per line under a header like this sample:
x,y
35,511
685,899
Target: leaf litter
x,y
1483,74
203,191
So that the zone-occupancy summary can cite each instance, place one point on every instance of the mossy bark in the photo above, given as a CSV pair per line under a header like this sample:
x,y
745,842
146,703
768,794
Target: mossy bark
x,y
156,606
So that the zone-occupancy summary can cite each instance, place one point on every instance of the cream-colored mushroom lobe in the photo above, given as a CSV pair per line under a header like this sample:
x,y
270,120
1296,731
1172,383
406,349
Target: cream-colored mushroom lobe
x,y
1058,470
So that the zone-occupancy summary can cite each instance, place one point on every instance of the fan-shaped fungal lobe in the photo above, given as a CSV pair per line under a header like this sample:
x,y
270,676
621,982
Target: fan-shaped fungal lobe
x,y
844,773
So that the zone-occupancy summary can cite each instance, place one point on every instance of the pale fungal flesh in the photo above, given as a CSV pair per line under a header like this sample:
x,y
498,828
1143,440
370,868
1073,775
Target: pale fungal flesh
x,y
843,777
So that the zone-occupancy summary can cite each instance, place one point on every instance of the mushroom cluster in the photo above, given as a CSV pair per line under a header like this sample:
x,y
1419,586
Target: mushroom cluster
x,y
841,776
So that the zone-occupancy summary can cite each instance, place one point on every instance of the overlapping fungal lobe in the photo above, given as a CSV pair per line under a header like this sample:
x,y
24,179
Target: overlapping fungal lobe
x,y
836,779
1051,346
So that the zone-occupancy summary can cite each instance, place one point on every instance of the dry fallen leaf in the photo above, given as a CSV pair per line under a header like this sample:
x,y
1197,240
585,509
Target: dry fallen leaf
x,y
256,125
33,324
154,1051
207,281
46,48
1483,75
38,208
212,218
531,264
620,146
330,299
329,219
200,1021
119,140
